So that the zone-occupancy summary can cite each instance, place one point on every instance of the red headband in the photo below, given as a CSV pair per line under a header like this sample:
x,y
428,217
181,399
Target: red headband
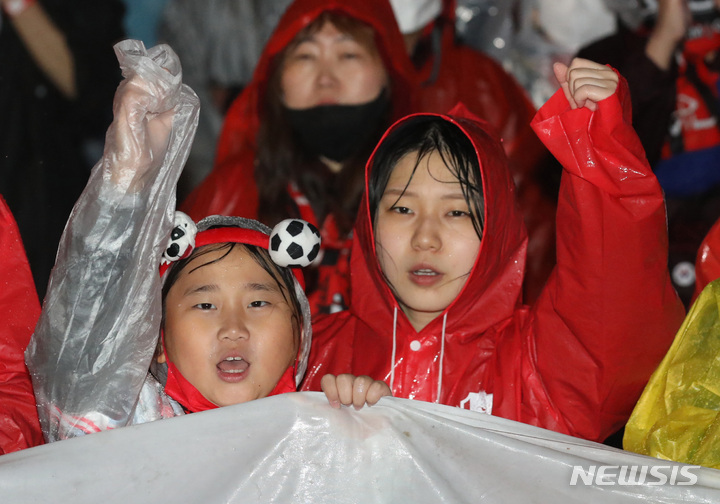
x,y
233,234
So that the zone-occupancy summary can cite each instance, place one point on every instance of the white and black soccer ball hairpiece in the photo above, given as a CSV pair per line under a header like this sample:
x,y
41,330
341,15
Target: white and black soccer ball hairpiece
x,y
182,239
294,242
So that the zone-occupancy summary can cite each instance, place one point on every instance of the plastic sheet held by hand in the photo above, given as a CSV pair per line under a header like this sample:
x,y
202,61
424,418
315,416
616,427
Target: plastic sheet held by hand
x,y
678,414
295,448
101,317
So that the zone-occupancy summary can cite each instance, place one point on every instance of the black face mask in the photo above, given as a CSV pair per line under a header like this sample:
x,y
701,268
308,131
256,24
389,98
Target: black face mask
x,y
337,132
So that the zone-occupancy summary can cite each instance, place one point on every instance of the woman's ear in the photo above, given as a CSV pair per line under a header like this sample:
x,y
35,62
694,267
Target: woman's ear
x,y
299,346
160,348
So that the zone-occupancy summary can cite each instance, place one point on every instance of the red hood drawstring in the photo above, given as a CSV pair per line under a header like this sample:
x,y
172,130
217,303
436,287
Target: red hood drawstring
x,y
394,352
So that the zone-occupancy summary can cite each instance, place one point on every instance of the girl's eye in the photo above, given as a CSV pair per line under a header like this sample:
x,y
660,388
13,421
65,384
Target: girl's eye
x,y
304,52
350,55
205,306
259,304
459,213
302,57
401,210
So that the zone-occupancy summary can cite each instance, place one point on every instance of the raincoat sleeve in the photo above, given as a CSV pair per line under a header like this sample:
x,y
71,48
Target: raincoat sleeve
x,y
608,312
19,309
677,415
90,353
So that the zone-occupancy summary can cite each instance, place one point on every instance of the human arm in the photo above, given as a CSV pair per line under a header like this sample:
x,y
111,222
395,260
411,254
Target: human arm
x,y
585,83
673,20
45,42
648,65
608,312
346,389
98,330
70,42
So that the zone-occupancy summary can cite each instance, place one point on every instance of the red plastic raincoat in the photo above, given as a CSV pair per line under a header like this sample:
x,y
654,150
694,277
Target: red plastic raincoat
x,y
19,425
577,359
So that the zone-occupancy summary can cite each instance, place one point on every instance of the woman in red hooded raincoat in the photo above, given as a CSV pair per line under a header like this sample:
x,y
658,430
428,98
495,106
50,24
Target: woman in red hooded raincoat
x,y
577,359
235,186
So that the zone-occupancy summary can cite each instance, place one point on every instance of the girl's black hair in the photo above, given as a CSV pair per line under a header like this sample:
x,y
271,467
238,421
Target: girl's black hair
x,y
283,277
424,135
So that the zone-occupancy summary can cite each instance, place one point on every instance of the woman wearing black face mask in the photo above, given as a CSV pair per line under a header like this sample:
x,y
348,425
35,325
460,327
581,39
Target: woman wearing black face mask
x,y
331,79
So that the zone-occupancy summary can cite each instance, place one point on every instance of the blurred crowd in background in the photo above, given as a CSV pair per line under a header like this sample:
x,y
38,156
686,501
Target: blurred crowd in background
x,y
57,79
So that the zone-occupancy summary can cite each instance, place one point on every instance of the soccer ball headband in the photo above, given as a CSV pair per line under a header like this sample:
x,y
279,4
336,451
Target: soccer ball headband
x,y
292,243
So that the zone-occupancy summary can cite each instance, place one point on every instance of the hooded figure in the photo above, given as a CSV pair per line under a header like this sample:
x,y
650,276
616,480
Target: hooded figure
x,y
235,186
576,360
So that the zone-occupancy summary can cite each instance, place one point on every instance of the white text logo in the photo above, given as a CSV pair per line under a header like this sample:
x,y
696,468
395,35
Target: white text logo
x,y
653,475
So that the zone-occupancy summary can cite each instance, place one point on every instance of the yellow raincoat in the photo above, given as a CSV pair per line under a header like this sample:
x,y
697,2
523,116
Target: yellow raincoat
x,y
678,415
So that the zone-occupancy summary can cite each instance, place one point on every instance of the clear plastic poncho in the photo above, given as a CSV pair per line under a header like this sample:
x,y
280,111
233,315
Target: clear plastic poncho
x,y
99,327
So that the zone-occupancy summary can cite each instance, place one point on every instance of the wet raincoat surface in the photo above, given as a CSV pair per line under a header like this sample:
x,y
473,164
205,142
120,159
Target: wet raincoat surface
x,y
230,188
19,309
577,359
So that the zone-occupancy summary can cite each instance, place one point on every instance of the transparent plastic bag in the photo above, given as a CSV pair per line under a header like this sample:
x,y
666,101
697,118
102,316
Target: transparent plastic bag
x,y
97,334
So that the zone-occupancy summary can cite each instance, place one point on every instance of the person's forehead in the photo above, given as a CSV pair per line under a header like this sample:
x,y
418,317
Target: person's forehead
x,y
430,168
225,261
328,33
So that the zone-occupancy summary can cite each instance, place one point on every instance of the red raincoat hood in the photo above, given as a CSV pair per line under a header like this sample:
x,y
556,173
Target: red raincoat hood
x,y
242,120
493,290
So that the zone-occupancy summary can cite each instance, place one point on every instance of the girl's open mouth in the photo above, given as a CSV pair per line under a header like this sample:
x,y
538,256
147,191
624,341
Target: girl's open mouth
x,y
232,369
425,276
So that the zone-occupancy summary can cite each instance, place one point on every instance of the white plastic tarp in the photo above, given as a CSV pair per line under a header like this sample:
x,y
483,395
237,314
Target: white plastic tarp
x,y
295,448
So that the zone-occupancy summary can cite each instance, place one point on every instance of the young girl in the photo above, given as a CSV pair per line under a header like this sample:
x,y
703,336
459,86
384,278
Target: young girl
x,y
233,318
438,263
